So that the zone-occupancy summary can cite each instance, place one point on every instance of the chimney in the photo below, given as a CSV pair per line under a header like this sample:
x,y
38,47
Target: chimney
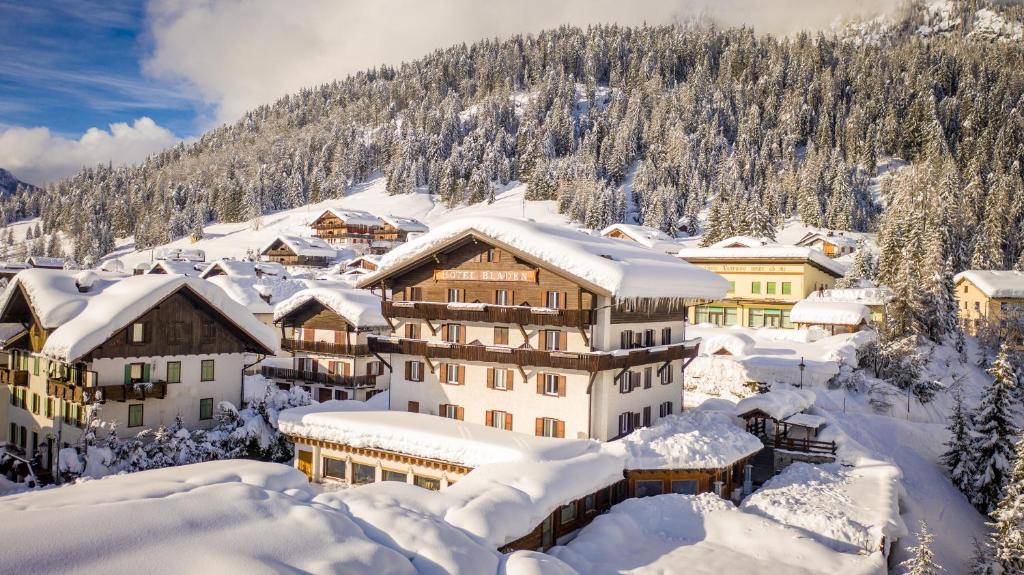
x,y
265,292
84,280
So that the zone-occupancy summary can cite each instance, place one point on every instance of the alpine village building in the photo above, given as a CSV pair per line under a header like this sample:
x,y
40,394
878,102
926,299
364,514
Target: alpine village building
x,y
993,298
327,331
536,328
338,226
764,282
290,250
143,349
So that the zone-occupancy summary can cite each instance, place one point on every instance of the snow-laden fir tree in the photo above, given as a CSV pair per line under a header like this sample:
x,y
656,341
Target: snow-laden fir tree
x,y
1009,519
922,559
983,559
994,433
958,457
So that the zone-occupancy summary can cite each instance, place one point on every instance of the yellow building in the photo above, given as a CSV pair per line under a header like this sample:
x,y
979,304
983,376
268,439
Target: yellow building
x,y
764,282
994,296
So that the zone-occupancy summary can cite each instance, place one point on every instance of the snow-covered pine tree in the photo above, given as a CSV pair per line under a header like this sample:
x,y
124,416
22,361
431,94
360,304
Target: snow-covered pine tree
x,y
1009,519
994,433
922,560
982,560
958,455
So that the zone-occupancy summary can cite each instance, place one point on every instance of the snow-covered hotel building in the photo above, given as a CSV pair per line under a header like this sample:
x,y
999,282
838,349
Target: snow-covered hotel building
x,y
145,349
537,328
991,298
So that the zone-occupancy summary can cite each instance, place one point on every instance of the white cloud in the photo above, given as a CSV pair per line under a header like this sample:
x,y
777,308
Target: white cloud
x,y
37,156
238,54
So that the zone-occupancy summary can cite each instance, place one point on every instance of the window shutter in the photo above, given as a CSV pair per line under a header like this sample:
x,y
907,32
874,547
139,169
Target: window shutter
x,y
489,418
307,334
444,332
540,383
562,300
539,429
559,428
441,410
346,368
563,340
508,421
509,378
408,370
462,334
414,407
145,372
444,373
634,380
561,386
462,377
460,413
490,379
127,373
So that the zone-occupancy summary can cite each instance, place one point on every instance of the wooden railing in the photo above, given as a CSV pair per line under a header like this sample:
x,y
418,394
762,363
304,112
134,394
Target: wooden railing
x,y
583,361
800,445
521,315
17,377
320,377
83,395
324,347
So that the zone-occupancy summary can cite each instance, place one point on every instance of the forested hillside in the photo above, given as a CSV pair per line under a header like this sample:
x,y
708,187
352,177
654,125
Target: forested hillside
x,y
755,128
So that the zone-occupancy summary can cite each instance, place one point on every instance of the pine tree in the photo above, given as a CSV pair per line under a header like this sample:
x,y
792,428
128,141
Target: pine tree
x,y
1009,519
994,432
958,455
922,561
982,562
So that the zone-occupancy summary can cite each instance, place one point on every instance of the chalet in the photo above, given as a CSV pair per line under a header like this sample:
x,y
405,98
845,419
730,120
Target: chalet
x,y
780,420
327,329
875,298
144,349
740,242
259,294
45,263
833,317
10,269
832,244
181,254
367,262
396,230
652,238
339,226
298,251
991,298
229,267
172,267
537,328
764,282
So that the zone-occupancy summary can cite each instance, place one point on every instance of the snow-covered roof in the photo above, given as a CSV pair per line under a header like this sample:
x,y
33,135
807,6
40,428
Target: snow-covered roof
x,y
644,235
354,217
765,253
806,420
185,268
302,246
247,290
995,283
615,267
734,343
191,254
45,262
359,307
874,296
404,223
829,313
690,440
81,321
739,242
10,331
777,404
244,268
836,239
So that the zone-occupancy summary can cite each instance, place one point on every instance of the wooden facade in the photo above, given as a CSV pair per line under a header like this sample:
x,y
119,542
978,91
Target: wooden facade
x,y
329,227
569,518
689,481
280,252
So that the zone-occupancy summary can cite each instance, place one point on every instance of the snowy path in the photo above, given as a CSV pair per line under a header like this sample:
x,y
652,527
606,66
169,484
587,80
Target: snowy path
x,y
915,447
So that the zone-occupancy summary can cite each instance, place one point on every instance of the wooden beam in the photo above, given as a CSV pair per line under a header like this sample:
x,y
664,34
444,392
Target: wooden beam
x,y
583,332
523,373
663,366
590,385
430,364
382,360
688,361
526,337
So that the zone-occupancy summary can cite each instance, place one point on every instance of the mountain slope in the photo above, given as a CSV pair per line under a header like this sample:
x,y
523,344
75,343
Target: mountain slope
x,y
9,184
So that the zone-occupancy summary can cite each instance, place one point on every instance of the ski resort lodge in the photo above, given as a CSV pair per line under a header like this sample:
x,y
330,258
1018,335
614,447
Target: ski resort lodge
x,y
764,282
991,297
347,227
536,328
144,349
298,251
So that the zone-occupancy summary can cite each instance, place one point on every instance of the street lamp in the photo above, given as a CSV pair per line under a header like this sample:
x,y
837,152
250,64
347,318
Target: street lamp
x,y
802,367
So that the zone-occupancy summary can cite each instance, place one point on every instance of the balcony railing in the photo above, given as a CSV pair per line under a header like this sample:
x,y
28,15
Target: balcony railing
x,y
319,377
324,347
83,395
17,377
521,315
578,361
811,446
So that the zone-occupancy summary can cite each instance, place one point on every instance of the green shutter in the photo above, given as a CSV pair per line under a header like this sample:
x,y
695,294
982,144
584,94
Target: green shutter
x,y
145,372
127,373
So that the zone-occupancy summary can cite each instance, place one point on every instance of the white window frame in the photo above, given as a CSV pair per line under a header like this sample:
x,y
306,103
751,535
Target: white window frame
x,y
553,340
416,371
625,422
500,379
454,331
501,297
553,299
456,292
551,379
498,419
549,427
138,332
451,411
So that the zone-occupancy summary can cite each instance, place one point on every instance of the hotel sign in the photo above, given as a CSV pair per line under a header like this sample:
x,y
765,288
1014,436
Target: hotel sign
x,y
486,275
726,268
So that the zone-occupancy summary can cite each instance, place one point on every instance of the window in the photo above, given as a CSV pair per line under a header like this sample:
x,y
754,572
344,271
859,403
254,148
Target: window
x,y
626,338
206,370
177,332
135,415
501,297
334,468
450,411
374,368
35,403
685,486
415,294
49,408
552,340
35,366
567,513
426,482
388,475
755,287
412,330
550,427
137,333
451,374
551,384
414,370
363,474
787,288
625,422
666,375
648,338
500,419
173,372
666,336
732,287
340,394
207,332
454,295
501,379
589,503
648,377
491,255
206,408
626,382
413,407
647,488
665,409
501,336
137,373
553,299
769,288
453,333
647,416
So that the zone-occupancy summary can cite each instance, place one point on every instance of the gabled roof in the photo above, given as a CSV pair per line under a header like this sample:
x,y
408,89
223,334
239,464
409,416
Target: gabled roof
x,y
739,242
829,313
190,254
360,308
308,247
777,404
353,217
837,239
995,283
248,290
44,262
243,268
81,321
868,296
185,268
405,224
644,235
765,254
604,265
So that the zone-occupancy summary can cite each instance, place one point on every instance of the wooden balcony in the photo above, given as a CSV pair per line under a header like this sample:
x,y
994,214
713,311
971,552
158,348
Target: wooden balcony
x,y
523,357
16,377
486,313
83,395
324,347
811,446
319,377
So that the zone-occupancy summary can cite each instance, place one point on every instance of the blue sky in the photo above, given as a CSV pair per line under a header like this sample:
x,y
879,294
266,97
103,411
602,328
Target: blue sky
x,y
71,65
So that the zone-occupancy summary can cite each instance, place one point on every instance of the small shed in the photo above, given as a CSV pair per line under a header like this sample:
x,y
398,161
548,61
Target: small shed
x,y
778,418
834,317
